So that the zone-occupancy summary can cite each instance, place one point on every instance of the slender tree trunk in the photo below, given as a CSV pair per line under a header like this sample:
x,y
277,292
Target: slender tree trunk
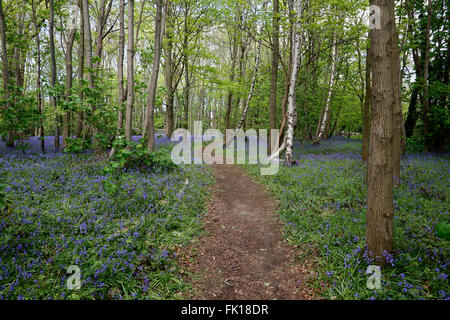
x,y
121,96
426,99
81,50
326,112
53,73
130,73
397,111
186,66
252,87
242,70
154,78
5,71
274,71
168,72
234,52
69,71
38,79
105,10
380,202
88,57
291,108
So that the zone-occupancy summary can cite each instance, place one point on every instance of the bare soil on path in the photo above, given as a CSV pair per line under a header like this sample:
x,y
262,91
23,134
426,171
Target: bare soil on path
x,y
243,255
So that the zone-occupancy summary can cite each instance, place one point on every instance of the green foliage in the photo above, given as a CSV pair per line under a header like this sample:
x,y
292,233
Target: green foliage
x,y
443,230
134,155
18,115
414,144
76,145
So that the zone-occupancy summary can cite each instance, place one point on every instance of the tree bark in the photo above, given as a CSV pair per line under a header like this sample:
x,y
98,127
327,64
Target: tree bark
x,y
291,108
274,71
69,70
326,112
53,73
121,97
81,50
154,78
5,71
234,52
426,100
38,79
380,204
397,111
88,57
130,73
252,87
168,73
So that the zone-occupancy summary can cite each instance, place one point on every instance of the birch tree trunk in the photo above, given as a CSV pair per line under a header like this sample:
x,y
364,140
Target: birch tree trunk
x,y
326,112
291,108
252,88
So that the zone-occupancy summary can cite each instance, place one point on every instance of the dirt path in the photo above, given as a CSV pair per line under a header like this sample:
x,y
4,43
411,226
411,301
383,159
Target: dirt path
x,y
243,256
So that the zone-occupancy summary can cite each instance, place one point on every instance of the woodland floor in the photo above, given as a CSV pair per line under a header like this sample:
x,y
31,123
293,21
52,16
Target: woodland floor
x,y
243,254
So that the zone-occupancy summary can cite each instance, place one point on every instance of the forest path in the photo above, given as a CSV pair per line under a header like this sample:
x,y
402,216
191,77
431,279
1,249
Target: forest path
x,y
243,255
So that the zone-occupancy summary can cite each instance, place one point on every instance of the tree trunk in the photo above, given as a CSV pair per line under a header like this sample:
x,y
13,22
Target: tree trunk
x,y
274,72
291,108
242,70
81,50
252,87
397,111
69,70
168,72
130,73
38,79
426,100
53,73
121,97
232,74
154,78
326,112
380,202
88,57
5,65
186,67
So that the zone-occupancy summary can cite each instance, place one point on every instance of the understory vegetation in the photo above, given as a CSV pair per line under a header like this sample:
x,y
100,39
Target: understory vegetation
x,y
322,200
